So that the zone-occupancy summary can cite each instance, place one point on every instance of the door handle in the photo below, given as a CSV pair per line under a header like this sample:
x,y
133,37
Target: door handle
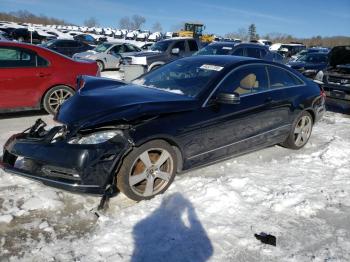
x,y
41,74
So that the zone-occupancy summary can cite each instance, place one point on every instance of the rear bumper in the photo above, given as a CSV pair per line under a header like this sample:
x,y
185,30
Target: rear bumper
x,y
77,168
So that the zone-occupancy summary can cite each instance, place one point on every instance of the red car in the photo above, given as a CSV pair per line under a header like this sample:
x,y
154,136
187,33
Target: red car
x,y
32,77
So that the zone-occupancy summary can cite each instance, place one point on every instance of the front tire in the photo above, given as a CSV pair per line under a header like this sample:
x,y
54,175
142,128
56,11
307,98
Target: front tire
x,y
55,97
100,65
300,131
147,171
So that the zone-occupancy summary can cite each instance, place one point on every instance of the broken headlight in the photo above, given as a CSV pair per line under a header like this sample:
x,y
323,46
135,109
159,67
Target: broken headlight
x,y
96,138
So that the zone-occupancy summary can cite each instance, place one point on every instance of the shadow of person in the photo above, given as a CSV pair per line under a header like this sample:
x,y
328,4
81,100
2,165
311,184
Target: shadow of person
x,y
171,233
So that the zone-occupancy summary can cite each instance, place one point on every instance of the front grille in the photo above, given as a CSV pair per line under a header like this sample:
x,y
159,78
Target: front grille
x,y
338,80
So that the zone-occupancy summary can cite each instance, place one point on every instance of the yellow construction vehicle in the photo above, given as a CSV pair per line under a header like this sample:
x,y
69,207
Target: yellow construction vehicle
x,y
195,30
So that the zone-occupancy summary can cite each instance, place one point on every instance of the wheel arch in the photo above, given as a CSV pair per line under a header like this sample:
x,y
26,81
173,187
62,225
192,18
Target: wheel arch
x,y
155,64
173,143
312,113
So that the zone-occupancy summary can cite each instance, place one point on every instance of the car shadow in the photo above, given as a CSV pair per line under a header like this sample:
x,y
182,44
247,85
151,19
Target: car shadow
x,y
171,233
23,114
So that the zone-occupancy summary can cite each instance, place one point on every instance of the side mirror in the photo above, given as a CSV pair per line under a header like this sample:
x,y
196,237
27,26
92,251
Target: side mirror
x,y
175,51
228,98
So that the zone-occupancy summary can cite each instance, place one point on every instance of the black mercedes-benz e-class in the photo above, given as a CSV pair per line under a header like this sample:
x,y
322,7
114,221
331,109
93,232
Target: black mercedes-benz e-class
x,y
186,114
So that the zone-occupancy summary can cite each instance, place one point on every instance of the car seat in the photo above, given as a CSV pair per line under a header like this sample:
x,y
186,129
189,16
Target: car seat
x,y
247,84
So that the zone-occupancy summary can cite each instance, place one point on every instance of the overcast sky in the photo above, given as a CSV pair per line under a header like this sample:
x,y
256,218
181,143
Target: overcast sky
x,y
301,18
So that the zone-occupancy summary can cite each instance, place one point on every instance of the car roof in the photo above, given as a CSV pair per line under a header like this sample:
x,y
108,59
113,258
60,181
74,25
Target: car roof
x,y
223,60
177,38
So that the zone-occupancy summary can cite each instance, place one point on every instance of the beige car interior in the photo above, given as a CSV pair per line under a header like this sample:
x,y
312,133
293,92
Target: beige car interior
x,y
247,85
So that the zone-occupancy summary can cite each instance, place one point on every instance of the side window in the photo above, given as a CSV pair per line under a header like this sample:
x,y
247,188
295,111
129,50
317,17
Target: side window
x,y
238,52
263,53
192,45
281,78
131,48
180,45
117,49
246,80
41,62
253,52
15,57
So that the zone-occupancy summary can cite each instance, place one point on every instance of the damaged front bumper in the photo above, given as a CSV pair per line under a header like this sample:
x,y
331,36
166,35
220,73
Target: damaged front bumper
x,y
73,167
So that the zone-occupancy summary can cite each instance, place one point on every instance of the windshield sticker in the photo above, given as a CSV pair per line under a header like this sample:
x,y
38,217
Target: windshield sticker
x,y
211,67
227,48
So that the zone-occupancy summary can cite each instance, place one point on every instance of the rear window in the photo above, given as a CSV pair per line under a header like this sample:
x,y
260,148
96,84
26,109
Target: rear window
x,y
282,78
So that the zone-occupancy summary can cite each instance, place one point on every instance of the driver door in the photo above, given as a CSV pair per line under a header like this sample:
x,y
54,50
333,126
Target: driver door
x,y
224,129
112,56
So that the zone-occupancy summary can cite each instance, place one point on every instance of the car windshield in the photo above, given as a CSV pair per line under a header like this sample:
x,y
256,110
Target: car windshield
x,y
188,78
160,46
303,58
215,50
103,47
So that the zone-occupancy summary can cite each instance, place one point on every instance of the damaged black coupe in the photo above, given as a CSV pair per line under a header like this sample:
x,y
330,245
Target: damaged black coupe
x,y
192,112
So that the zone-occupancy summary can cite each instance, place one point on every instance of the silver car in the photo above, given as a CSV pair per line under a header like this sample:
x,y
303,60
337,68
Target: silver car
x,y
107,55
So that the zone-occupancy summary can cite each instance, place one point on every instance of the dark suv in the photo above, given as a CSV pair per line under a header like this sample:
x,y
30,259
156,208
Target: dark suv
x,y
67,47
335,79
237,49
163,52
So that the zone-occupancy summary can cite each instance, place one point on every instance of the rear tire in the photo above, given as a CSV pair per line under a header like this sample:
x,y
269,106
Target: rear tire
x,y
147,171
300,132
55,97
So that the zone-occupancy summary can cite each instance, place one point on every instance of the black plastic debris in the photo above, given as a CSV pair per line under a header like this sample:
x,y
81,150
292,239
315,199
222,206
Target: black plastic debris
x,y
266,238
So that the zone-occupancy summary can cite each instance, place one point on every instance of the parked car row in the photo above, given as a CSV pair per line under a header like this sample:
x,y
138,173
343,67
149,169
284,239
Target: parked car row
x,y
168,50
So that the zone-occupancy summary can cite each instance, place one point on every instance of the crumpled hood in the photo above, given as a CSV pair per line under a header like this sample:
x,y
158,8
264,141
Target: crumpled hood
x,y
339,55
105,100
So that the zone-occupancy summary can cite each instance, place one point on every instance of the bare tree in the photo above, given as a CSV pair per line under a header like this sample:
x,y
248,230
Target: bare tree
x,y
26,17
241,33
91,22
157,27
125,23
138,21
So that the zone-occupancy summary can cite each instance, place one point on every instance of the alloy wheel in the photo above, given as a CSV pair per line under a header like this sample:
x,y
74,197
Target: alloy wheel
x,y
151,172
58,97
302,131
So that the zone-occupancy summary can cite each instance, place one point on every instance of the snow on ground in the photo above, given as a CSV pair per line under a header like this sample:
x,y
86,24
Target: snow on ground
x,y
210,214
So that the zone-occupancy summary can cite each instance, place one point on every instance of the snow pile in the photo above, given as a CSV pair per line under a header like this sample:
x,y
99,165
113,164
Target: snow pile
x,y
301,197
